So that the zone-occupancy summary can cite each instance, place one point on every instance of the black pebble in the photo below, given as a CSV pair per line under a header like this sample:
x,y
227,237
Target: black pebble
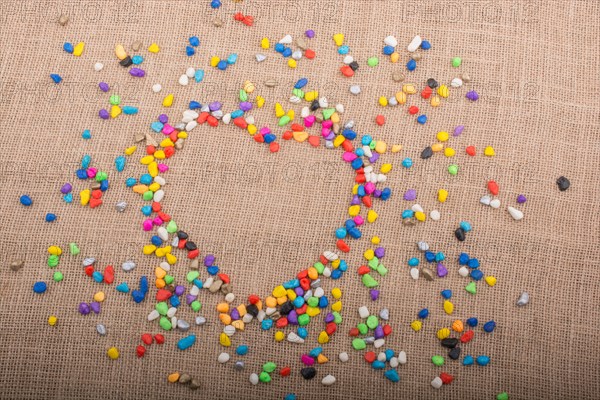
x,y
450,342
286,308
432,83
426,153
454,353
182,235
563,183
252,310
308,372
126,62
314,105
460,234
353,65
189,245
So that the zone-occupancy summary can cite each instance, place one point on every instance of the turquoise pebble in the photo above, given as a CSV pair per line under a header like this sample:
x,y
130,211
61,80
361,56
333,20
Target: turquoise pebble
x,y
130,182
130,110
199,75
266,324
468,360
378,364
86,134
465,226
483,360
290,396
392,375
413,262
232,59
157,126
85,161
68,198
147,210
123,288
315,352
137,60
407,162
186,342
120,163
302,332
241,350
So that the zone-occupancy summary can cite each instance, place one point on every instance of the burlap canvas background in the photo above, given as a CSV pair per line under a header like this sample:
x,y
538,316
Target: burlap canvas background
x,y
536,67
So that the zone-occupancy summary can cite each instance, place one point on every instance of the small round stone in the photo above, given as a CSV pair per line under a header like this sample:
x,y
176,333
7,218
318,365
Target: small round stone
x,y
563,183
355,89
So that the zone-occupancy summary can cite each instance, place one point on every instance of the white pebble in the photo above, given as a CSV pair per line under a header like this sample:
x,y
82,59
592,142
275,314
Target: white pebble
x,y
156,87
208,282
344,357
394,362
339,108
391,41
516,214
294,338
435,215
297,55
171,312
330,255
174,321
485,200
402,357
200,320
226,118
305,112
355,89
378,343
153,315
295,99
254,379
128,266
456,82
523,300
229,330
327,272
417,208
287,39
423,246
323,102
463,271
184,80
392,101
381,357
319,292
270,311
194,290
247,318
165,265
158,195
160,180
414,44
230,297
260,57
437,382
414,273
348,59
495,203
162,233
98,66
223,358
101,329
384,314
363,311
328,380
190,72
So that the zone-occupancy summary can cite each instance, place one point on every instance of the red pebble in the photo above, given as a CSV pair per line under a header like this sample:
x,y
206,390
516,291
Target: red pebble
x,y
253,299
89,270
173,136
259,138
281,322
354,332
238,17
156,206
285,371
493,187
147,338
314,140
224,278
150,149
330,328
181,243
363,269
367,201
347,71
96,194
380,120
302,310
310,54
297,127
163,295
446,378
202,117
426,93
323,259
412,110
140,350
212,121
95,203
387,330
248,20
163,216
347,145
287,135
305,283
467,336
193,254
343,246
169,151
302,274
470,150
160,339
109,274
360,178
274,147
370,356
240,122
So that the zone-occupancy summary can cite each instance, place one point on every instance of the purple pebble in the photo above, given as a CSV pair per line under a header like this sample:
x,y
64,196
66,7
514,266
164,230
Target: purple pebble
x,y
377,193
380,252
329,318
179,290
355,200
245,106
472,95
103,114
442,271
66,188
458,130
163,118
293,317
310,33
209,260
84,308
235,314
521,199
410,195
95,306
374,294
190,298
137,72
214,106
104,86
379,332
330,136
299,291
374,158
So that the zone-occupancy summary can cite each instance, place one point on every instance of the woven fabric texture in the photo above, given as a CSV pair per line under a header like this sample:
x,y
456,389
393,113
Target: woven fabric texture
x,y
266,216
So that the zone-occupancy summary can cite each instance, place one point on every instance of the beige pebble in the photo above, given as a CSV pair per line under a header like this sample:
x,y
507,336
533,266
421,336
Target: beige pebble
x,y
271,83
150,141
139,137
301,43
217,22
427,274
416,56
398,76
465,77
136,45
216,285
17,265
185,378
194,384
63,20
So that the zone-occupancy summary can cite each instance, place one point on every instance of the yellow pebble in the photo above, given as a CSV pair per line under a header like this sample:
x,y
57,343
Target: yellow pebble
x,y
238,324
146,159
311,96
383,101
99,297
54,250
323,337
443,91
249,87
416,325
279,111
420,216
167,142
436,147
171,259
355,189
52,320
224,340
85,196
335,118
443,333
168,101
448,307
449,152
214,61
335,263
113,353
354,210
279,291
385,168
252,129
78,50
396,148
336,293
260,101
443,136
313,311
153,48
458,326
279,336
401,98
160,155
375,240
291,294
120,52
292,63
442,195
153,169
241,309
338,38
490,280
174,377
291,114
409,88
435,101
321,359
394,57
337,306
381,147
489,151
115,111
130,150
149,249
264,43
339,139
369,254
372,216
182,135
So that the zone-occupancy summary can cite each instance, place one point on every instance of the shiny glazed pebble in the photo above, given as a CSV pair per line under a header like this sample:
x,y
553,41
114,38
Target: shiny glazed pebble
x,y
523,299
101,329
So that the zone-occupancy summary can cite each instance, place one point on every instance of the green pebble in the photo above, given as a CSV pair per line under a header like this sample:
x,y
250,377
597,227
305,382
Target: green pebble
x,y
196,305
358,344
284,120
148,195
162,308
374,263
372,144
264,377
269,367
372,322
169,279
74,249
327,113
362,328
368,281
319,267
192,275
101,176
471,288
313,301
58,276
456,61
373,61
53,260
171,227
298,93
337,317
437,360
382,270
165,323
303,319
453,169
115,99
243,95
502,396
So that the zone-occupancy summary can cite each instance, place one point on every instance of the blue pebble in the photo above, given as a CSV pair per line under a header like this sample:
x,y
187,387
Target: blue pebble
x,y
290,396
155,240
468,360
476,274
287,52
473,263
301,83
463,259
279,47
199,76
186,342
407,214
413,262
68,198
81,174
357,163
343,50
241,350
314,353
387,50
269,138
122,287
349,224
40,287
97,276
138,296
232,59
157,126
104,185
144,284
323,302
447,293
175,302
137,59
50,217
25,200
439,256
336,274
130,110
215,4
194,41
355,233
407,162
146,179
190,51
489,326
212,270
483,360
86,134
266,324
56,78
392,375
349,134
378,364
359,152
425,45
465,226
389,353
472,322
340,233
194,105
361,191
85,161
302,332
430,256
385,194
222,65
120,163
422,119
366,140
68,47
411,65
423,313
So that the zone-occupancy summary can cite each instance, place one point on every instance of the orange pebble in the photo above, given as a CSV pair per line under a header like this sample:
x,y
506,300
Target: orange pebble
x,y
458,326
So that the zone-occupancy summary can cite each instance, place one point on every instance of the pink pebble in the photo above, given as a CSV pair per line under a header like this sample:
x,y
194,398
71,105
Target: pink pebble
x,y
264,130
348,156
358,220
327,124
91,172
167,129
147,225
307,360
163,167
157,221
370,187
309,121
325,132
